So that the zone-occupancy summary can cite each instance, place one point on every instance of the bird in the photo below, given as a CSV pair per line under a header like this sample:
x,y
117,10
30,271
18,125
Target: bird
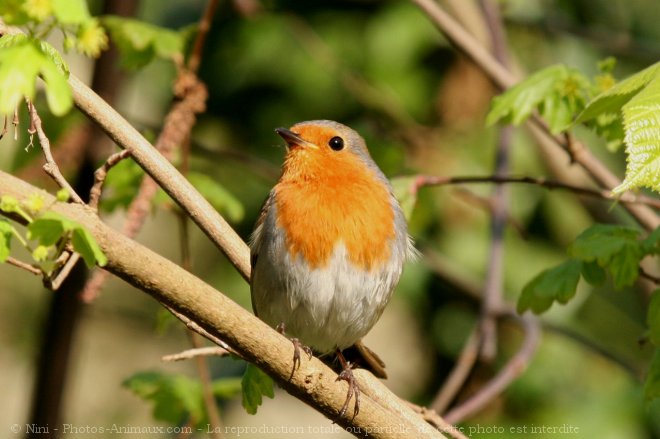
x,y
329,246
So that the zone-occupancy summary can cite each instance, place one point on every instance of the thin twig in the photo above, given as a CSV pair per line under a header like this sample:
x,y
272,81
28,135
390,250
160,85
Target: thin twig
x,y
15,122
50,167
55,283
201,331
209,351
4,128
627,198
203,27
100,175
207,386
464,364
24,265
512,370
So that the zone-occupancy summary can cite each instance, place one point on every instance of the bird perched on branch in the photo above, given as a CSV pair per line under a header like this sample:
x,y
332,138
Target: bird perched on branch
x,y
329,246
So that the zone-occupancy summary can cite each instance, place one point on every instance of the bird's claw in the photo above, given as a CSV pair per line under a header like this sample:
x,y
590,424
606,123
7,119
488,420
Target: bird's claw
x,y
297,347
353,389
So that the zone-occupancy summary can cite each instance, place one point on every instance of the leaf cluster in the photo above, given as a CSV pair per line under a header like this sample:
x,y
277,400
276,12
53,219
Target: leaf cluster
x,y
178,399
623,112
599,251
49,231
139,43
24,58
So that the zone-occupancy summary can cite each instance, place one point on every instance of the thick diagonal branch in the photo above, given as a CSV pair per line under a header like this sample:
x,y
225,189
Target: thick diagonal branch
x,y
313,383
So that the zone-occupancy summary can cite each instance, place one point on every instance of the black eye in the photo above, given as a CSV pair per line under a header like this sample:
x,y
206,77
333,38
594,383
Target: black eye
x,y
336,143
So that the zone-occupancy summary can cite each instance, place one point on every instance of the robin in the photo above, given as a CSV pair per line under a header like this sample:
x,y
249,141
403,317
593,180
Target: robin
x,y
329,246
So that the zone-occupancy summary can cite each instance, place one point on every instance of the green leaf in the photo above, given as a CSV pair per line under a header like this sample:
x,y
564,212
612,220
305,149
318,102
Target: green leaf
x,y
51,227
612,100
55,57
58,93
641,121
557,112
12,40
615,248
48,229
593,273
85,244
403,192
652,382
176,399
624,266
71,11
518,102
121,185
6,232
556,92
19,67
139,42
651,244
21,61
255,383
555,284
221,199
653,318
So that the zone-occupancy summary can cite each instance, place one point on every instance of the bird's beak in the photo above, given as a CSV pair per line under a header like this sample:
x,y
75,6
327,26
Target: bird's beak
x,y
292,139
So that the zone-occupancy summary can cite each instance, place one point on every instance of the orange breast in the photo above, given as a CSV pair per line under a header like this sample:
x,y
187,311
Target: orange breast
x,y
322,201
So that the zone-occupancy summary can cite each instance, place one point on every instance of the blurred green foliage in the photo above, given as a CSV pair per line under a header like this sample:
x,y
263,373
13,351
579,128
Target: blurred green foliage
x,y
383,69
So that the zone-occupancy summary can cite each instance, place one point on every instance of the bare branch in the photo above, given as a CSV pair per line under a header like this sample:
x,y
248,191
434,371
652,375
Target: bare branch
x,y
458,375
55,283
50,167
204,374
188,354
202,31
627,198
100,175
190,324
494,280
24,265
512,370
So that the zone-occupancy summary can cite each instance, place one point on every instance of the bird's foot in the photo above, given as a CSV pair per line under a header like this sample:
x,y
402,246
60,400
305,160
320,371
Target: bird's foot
x,y
353,389
297,347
